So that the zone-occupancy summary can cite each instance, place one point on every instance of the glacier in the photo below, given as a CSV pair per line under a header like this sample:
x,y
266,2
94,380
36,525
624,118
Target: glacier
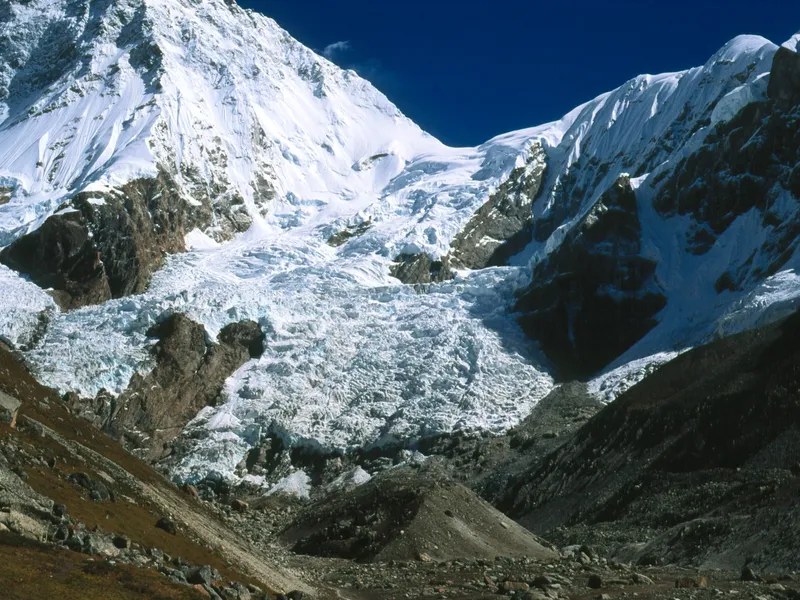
x,y
237,110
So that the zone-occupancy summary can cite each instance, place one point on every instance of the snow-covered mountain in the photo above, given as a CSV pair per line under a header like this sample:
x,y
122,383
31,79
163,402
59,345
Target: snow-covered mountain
x,y
162,156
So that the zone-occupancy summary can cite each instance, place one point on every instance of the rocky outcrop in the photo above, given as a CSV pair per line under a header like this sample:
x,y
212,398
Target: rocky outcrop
x,y
189,374
343,235
421,268
784,79
595,295
502,227
106,245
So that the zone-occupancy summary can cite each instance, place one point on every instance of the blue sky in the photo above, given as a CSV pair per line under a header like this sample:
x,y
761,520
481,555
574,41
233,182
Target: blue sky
x,y
466,70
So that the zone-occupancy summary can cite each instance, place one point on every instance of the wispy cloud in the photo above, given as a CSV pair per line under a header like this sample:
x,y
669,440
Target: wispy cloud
x,y
331,50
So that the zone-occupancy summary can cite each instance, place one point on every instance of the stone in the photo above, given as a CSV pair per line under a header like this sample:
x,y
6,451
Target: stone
x,y
595,582
9,409
295,595
243,592
514,586
190,491
535,595
98,491
202,575
24,525
167,525
61,534
748,574
641,579
99,545
173,575
691,582
424,557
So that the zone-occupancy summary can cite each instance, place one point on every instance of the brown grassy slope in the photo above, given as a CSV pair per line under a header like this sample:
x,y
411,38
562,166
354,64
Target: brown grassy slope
x,y
32,570
143,495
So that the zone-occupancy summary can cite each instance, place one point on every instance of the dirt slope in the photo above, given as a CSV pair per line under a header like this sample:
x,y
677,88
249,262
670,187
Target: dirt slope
x,y
410,514
55,443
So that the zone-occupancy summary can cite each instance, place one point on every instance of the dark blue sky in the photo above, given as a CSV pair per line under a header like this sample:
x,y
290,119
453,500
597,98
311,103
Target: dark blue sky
x,y
467,70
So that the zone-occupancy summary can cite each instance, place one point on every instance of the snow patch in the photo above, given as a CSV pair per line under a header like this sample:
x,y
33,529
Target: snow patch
x,y
298,484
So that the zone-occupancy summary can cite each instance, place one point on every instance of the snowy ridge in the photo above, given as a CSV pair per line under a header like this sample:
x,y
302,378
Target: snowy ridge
x,y
239,113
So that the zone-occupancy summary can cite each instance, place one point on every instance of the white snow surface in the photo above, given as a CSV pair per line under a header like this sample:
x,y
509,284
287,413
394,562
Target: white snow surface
x,y
230,101
793,43
297,484
23,308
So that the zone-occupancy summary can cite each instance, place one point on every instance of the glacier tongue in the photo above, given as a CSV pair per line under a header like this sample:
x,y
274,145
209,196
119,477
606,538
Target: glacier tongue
x,y
351,358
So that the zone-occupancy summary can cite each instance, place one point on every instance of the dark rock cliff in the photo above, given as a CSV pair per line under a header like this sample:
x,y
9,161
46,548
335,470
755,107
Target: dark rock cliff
x,y
106,245
748,163
189,375
595,295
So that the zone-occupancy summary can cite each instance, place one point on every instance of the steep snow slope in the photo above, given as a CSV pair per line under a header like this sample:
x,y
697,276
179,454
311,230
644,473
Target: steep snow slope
x,y
281,143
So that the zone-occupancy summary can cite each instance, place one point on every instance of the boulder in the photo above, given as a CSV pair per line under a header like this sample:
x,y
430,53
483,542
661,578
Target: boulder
x,y
748,574
514,587
167,525
190,491
595,582
98,491
202,575
24,525
9,408
692,582
99,545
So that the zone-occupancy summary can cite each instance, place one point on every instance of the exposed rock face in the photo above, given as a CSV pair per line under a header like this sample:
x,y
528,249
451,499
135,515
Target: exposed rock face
x,y
421,268
189,375
784,79
594,296
341,237
748,163
502,227
107,245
